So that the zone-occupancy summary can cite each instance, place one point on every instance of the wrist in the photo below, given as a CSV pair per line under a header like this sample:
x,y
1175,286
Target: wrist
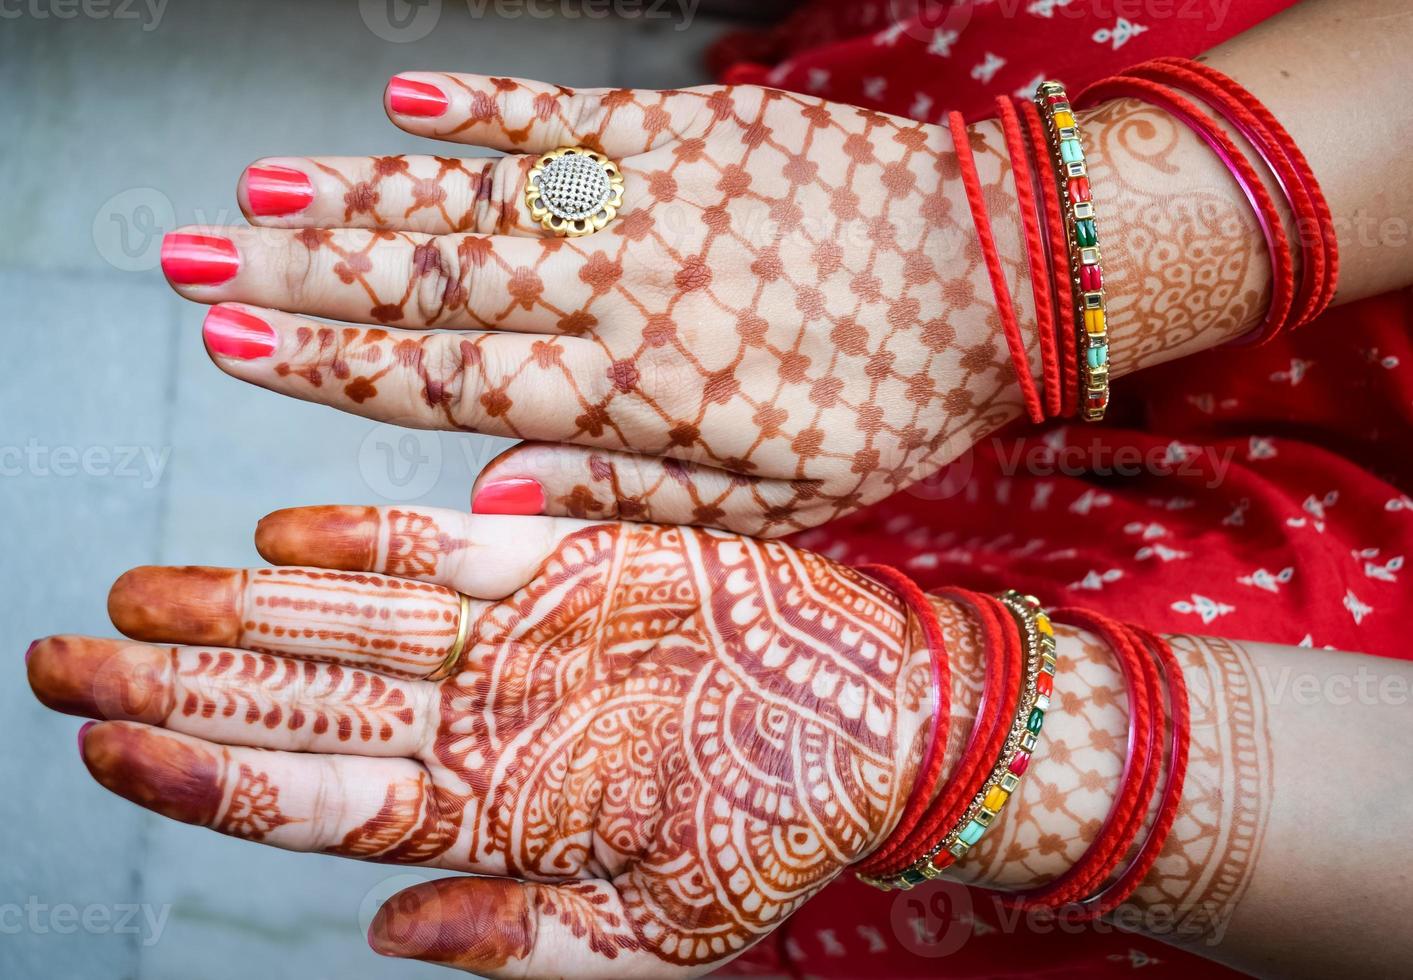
x,y
963,679
1074,781
1185,262
1065,796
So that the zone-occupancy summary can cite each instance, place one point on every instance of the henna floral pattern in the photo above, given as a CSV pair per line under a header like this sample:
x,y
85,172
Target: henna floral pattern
x,y
719,753
1185,267
253,809
680,735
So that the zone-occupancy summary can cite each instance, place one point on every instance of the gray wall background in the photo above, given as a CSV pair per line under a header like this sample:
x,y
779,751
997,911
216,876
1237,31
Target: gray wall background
x,y
120,121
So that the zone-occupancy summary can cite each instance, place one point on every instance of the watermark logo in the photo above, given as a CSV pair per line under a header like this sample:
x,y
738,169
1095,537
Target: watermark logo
x,y
379,895
128,228
933,919
400,21
400,464
947,481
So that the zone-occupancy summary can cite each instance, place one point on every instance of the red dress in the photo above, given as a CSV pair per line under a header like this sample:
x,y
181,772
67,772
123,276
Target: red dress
x,y
1261,494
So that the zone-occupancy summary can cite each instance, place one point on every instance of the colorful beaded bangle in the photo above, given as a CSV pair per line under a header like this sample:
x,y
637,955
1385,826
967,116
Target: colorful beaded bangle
x,y
1038,684
1086,272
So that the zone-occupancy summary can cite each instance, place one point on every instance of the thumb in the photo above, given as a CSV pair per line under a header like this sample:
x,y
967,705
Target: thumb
x,y
497,927
577,481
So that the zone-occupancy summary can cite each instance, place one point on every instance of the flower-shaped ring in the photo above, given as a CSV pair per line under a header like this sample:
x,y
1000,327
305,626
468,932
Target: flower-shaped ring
x,y
574,191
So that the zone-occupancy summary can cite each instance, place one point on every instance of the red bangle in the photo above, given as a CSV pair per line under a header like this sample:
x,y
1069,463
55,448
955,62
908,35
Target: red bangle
x,y
999,697
1114,894
994,710
1282,277
1125,818
1292,173
1064,390
1023,175
1090,887
930,767
1005,310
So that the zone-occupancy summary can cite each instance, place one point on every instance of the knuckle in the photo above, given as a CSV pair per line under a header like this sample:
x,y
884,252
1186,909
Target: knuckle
x,y
467,364
327,806
438,272
665,387
498,205
583,113
297,265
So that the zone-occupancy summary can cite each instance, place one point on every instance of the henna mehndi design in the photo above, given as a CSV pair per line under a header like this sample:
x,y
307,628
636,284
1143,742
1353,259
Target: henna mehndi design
x,y
695,727
682,734
784,268
675,736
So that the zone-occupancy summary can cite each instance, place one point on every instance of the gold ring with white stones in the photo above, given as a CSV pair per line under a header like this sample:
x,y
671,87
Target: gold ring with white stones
x,y
574,191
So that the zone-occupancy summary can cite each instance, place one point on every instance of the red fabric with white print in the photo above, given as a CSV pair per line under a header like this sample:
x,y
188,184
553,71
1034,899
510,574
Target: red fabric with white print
x,y
924,58
1261,493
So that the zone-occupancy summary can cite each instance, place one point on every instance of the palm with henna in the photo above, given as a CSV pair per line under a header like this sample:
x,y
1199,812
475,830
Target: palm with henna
x,y
788,319
660,741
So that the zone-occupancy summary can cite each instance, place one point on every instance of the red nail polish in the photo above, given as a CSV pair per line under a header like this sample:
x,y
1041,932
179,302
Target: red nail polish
x,y
410,98
274,191
517,496
199,260
30,652
235,333
83,730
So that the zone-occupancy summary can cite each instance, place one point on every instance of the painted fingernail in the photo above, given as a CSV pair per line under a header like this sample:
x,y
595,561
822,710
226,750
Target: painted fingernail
x,y
30,652
409,98
83,730
236,333
516,496
274,191
199,260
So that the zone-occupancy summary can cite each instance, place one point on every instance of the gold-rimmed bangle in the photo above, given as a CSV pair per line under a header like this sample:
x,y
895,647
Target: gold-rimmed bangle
x,y
1082,234
463,631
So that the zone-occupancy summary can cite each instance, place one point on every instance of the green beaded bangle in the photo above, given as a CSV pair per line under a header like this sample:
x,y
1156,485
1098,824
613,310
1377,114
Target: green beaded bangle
x,y
1086,273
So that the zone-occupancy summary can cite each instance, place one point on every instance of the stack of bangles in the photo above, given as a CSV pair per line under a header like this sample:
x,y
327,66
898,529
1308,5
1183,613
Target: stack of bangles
x,y
1060,226
944,819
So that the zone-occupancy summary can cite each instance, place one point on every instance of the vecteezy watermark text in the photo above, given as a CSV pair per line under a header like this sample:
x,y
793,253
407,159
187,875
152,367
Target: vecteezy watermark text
x,y
148,12
144,463
38,918
1361,687
938,918
405,21
1101,458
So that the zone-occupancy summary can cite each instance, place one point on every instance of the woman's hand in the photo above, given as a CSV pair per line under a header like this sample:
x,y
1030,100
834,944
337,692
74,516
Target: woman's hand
x,y
787,320
673,736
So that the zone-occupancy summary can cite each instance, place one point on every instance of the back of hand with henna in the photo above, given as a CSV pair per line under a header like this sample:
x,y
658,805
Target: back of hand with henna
x,y
672,737
787,319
